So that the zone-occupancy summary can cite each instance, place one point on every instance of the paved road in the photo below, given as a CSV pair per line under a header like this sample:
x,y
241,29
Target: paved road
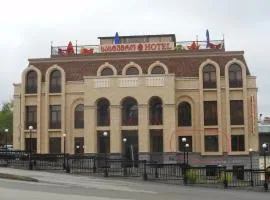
x,y
54,186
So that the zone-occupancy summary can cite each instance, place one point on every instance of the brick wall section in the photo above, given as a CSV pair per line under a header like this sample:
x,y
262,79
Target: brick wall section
x,y
181,67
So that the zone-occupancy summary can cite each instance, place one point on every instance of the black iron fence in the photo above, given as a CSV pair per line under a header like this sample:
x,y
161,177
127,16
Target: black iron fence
x,y
167,173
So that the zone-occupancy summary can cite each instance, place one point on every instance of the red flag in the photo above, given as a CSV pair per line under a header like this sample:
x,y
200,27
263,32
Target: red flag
x,y
70,49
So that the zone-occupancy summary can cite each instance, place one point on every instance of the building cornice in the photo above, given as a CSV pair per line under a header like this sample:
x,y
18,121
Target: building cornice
x,y
136,56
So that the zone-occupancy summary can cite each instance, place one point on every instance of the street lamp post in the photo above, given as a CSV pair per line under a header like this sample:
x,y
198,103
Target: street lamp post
x,y
6,133
30,149
251,167
186,147
64,141
264,146
184,140
124,166
105,134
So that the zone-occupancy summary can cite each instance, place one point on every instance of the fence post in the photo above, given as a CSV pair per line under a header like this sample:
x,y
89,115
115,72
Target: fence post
x,y
225,182
144,171
105,169
156,170
265,185
125,167
94,165
185,175
67,164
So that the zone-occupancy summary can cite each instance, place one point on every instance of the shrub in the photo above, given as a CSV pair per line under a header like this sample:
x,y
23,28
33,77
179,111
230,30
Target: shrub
x,y
229,176
192,176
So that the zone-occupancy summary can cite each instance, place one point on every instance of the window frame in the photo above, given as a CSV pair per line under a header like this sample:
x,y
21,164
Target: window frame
x,y
238,146
31,82
236,112
55,81
235,76
210,147
31,112
79,116
210,113
184,118
55,124
209,70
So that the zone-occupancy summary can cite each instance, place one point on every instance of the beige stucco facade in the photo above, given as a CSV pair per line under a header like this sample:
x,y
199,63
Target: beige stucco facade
x,y
172,89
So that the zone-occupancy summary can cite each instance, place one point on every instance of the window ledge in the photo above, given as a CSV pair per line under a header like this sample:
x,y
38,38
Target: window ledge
x,y
55,94
209,89
28,131
102,128
237,126
129,127
211,153
30,95
54,130
211,126
155,126
238,153
236,89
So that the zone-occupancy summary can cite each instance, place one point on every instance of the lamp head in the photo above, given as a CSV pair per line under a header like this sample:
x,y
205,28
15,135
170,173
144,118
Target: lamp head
x,y
184,139
264,145
30,127
105,133
124,140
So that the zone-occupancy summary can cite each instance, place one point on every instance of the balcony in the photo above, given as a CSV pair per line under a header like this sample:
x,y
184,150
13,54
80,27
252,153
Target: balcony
x,y
87,50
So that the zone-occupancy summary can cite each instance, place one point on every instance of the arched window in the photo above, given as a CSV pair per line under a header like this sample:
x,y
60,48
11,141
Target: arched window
x,y
132,71
155,111
106,72
158,70
184,114
55,82
129,112
235,76
103,112
31,83
209,77
79,116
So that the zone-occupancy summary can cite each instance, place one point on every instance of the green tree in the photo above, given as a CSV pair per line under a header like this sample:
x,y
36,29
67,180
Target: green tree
x,y
6,121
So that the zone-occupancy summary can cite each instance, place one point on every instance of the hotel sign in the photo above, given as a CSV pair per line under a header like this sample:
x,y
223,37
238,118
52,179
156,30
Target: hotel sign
x,y
135,47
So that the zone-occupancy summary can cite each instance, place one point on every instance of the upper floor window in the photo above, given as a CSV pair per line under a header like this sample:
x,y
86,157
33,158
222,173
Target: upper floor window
x,y
211,143
209,77
238,142
210,113
184,114
31,116
158,70
132,71
31,83
235,76
155,111
106,72
129,112
103,112
236,112
55,82
55,117
79,116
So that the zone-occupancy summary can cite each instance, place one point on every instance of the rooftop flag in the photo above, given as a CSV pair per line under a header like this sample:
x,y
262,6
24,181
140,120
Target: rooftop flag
x,y
207,39
116,39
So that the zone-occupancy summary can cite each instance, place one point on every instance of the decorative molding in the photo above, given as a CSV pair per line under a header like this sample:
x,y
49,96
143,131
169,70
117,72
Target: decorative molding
x,y
101,83
155,81
128,82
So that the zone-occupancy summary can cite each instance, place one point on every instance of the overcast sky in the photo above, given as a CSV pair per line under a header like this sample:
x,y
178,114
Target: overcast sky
x,y
28,27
